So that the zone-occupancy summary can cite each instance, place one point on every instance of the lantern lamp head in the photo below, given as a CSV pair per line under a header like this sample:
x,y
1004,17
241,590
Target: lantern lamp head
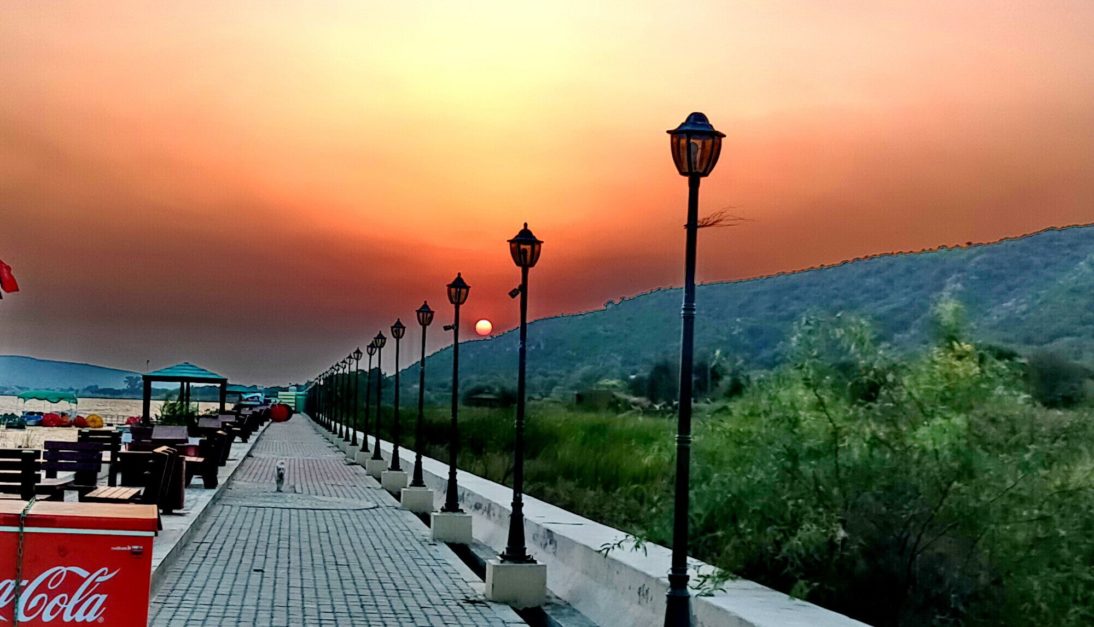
x,y
371,348
425,315
457,290
695,146
380,340
525,248
398,330
357,354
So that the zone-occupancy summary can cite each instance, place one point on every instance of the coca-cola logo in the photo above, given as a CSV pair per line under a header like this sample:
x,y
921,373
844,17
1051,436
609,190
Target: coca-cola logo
x,y
41,599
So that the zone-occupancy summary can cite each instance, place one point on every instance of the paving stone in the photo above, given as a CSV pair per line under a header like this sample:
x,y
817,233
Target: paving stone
x,y
332,549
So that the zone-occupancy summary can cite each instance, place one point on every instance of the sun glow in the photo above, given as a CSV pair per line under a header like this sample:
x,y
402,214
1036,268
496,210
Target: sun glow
x,y
483,327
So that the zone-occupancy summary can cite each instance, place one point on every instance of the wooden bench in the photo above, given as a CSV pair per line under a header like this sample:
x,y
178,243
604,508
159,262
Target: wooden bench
x,y
20,472
213,428
146,475
83,459
112,494
111,439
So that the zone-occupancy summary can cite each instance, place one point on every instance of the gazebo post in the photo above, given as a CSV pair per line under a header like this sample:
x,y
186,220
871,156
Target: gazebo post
x,y
223,394
146,417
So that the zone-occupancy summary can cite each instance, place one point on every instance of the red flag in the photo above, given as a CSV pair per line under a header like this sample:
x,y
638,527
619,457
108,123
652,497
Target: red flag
x,y
7,279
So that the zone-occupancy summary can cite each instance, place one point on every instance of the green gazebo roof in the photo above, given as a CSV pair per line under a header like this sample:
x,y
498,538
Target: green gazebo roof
x,y
48,396
185,371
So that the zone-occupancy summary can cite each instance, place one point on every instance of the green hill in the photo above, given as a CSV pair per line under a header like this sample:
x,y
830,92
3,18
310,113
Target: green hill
x,y
1026,293
19,372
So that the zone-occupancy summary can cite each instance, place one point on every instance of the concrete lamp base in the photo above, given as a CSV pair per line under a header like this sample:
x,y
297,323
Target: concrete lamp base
x,y
351,453
417,500
362,457
451,528
517,585
393,480
375,466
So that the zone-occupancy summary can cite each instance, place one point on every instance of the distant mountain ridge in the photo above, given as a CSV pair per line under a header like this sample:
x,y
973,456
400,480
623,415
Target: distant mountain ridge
x,y
21,372
1033,292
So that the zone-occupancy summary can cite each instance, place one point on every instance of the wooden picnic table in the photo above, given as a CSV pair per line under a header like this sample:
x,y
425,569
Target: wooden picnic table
x,y
169,433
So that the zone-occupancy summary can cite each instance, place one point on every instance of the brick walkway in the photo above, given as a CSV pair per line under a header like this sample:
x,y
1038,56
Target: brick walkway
x,y
334,549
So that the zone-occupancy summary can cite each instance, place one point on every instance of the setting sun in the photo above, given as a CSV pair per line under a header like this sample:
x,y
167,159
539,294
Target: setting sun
x,y
483,327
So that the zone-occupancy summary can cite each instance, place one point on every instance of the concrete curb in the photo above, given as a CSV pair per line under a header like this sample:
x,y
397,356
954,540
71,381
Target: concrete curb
x,y
198,513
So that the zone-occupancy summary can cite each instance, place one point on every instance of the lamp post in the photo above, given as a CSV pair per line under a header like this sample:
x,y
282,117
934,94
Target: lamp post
x,y
695,147
349,409
525,249
379,341
340,384
333,428
398,330
425,318
356,392
458,290
327,395
370,350
337,413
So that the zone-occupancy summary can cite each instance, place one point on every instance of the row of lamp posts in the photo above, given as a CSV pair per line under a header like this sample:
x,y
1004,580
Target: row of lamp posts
x,y
332,390
695,146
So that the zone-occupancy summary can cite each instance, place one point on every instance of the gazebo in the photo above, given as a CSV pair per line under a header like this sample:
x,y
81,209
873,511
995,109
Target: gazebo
x,y
184,374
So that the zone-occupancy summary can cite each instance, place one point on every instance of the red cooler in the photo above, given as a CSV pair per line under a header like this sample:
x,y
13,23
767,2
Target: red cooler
x,y
82,563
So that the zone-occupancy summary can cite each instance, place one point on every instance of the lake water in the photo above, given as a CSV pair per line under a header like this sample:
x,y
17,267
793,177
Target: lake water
x,y
113,410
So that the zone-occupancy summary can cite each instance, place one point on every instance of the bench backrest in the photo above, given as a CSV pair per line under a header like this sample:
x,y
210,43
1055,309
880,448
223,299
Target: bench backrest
x,y
150,470
214,446
19,472
111,439
141,432
84,459
161,466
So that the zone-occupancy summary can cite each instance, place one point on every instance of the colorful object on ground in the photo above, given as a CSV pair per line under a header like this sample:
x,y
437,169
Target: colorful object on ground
x,y
95,421
11,421
280,412
7,279
80,422
51,420
133,420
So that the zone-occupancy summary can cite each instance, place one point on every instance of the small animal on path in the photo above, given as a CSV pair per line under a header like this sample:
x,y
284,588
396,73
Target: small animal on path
x,y
279,475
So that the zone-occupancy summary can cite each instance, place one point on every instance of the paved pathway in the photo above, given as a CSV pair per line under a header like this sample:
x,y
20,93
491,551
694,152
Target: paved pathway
x,y
334,549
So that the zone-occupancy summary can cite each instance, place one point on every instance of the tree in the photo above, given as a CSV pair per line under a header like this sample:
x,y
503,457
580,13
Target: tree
x,y
133,384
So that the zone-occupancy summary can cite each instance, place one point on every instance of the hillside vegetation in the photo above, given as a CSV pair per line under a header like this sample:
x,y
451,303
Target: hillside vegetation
x,y
1030,294
923,488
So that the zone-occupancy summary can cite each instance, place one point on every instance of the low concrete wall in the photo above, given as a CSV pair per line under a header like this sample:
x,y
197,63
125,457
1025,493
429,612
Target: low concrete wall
x,y
624,588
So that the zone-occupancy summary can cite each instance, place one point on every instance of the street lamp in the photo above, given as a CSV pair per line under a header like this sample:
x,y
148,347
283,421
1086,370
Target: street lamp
x,y
525,249
327,396
351,409
695,149
379,341
343,384
356,392
370,350
458,290
398,330
425,318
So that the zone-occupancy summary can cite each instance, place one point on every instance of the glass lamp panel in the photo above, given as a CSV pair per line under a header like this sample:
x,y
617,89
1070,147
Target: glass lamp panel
x,y
425,315
458,290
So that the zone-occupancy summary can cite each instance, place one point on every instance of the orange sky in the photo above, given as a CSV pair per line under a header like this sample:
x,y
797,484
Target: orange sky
x,y
260,186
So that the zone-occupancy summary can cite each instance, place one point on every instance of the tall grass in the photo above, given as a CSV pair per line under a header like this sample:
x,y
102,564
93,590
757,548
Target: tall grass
x,y
902,491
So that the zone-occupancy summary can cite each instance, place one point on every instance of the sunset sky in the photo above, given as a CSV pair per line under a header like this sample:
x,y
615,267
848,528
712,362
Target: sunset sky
x,y
259,187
